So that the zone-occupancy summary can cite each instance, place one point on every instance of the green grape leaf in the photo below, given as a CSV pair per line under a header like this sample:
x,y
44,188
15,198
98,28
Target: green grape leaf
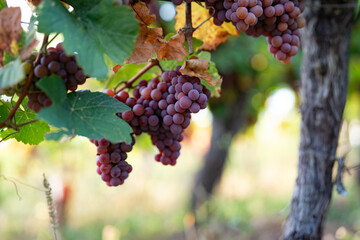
x,y
6,134
32,133
8,57
3,4
92,30
170,64
11,74
89,114
4,111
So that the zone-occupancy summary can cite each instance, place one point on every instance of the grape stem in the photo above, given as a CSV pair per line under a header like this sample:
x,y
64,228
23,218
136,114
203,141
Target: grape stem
x,y
4,138
206,19
26,87
188,28
1,101
127,84
26,123
52,39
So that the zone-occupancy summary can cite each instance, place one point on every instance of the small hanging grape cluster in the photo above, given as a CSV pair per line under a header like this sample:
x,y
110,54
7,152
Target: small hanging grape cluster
x,y
55,61
111,163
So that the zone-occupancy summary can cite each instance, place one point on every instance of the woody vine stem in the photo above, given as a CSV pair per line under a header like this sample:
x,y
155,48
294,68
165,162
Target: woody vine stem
x,y
189,29
7,121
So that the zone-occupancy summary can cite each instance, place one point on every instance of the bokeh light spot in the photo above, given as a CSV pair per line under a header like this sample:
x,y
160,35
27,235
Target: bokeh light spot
x,y
259,62
167,11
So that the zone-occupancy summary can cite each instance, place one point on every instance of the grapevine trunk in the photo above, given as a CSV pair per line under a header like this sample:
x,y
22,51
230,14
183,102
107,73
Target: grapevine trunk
x,y
324,76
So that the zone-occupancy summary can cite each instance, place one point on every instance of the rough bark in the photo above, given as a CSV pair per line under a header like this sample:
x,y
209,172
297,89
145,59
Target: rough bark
x,y
225,125
325,43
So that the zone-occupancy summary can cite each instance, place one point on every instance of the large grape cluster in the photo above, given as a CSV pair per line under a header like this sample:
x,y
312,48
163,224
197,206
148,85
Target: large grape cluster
x,y
163,110
55,61
278,20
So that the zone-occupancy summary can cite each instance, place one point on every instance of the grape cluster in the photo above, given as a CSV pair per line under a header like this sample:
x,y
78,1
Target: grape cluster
x,y
111,163
55,61
278,20
17,88
163,110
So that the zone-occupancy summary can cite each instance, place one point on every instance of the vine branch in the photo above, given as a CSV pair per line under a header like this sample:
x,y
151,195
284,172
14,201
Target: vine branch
x,y
188,29
1,101
211,15
52,39
127,84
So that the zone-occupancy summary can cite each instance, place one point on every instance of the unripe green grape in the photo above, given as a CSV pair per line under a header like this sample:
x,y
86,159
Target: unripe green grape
x,y
26,67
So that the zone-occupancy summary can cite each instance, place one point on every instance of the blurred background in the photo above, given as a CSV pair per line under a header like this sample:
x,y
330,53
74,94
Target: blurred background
x,y
251,131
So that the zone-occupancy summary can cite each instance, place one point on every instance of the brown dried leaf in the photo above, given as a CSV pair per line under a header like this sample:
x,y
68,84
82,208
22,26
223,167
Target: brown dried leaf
x,y
172,50
143,13
10,28
211,34
151,41
144,45
198,68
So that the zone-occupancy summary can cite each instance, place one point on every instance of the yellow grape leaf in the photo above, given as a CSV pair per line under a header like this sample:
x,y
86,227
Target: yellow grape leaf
x,y
209,33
